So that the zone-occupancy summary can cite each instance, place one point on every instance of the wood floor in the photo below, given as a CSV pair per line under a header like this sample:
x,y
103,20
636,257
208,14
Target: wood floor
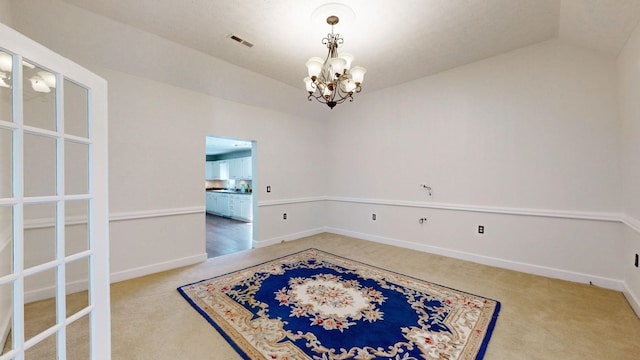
x,y
226,236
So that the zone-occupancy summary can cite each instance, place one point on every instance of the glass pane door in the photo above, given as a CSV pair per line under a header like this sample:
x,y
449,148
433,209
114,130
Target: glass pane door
x,y
54,273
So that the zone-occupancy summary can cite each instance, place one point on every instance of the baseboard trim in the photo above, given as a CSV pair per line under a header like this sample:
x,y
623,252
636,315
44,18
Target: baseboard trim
x,y
632,298
50,291
81,285
288,237
157,267
491,261
146,214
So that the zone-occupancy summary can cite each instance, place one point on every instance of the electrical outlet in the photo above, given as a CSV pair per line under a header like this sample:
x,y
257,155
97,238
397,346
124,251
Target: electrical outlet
x,y
268,188
284,216
636,260
373,216
480,229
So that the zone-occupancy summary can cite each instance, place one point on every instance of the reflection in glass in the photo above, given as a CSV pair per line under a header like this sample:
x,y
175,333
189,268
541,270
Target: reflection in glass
x,y
39,165
6,164
5,315
45,349
76,229
78,339
76,169
75,109
39,97
6,242
39,315
77,277
39,234
6,83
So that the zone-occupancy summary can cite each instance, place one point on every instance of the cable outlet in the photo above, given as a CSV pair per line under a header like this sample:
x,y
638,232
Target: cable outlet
x,y
284,216
636,260
480,229
373,216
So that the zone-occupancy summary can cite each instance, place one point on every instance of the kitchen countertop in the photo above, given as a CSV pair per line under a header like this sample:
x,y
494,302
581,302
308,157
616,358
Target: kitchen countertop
x,y
230,192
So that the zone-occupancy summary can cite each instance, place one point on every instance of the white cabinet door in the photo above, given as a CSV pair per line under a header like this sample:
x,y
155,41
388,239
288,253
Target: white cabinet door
x,y
222,205
240,168
211,202
210,167
246,208
235,169
246,168
240,207
234,204
223,170
213,170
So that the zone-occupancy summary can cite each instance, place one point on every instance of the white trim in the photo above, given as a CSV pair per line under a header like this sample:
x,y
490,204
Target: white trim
x,y
608,283
158,267
631,222
582,215
632,298
292,201
123,216
41,223
289,237
145,214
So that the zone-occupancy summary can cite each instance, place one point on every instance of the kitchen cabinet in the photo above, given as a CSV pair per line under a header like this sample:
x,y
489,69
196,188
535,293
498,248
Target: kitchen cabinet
x,y
211,202
223,169
246,208
217,203
217,170
212,170
222,204
240,207
240,168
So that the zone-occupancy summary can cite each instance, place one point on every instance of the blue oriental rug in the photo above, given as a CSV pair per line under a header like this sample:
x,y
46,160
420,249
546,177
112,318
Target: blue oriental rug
x,y
315,305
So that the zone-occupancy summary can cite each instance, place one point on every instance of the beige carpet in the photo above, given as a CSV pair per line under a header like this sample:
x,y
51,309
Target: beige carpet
x,y
541,318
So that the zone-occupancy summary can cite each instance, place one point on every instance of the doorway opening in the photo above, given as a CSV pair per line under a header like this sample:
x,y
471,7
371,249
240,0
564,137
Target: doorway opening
x,y
230,201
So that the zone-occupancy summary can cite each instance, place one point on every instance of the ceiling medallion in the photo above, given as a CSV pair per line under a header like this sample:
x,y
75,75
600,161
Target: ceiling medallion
x,y
333,80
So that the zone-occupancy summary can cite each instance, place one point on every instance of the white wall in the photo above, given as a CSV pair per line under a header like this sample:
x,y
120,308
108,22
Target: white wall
x,y
163,100
533,132
157,142
533,128
526,143
629,93
70,31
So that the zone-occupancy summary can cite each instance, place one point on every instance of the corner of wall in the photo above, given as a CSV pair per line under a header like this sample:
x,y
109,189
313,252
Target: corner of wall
x,y
632,274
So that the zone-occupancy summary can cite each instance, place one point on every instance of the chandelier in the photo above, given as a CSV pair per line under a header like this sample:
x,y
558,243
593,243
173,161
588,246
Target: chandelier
x,y
333,81
41,82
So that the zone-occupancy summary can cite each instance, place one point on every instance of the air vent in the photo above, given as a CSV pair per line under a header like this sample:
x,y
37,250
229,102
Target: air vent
x,y
240,40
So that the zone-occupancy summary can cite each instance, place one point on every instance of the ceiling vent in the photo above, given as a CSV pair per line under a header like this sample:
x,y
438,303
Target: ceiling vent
x,y
240,40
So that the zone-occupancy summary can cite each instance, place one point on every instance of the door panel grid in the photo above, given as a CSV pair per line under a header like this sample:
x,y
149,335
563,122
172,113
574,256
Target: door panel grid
x,y
53,203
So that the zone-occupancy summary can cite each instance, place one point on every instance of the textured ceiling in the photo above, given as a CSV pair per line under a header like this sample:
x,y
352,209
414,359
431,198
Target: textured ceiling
x,y
397,41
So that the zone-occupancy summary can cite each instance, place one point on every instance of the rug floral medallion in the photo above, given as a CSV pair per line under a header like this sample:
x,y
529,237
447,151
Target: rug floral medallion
x,y
315,305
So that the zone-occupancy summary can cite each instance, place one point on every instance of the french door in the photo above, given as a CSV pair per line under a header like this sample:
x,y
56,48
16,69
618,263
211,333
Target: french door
x,y
54,267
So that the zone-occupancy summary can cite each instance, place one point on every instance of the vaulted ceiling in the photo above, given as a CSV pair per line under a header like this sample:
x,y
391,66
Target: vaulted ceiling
x,y
397,41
